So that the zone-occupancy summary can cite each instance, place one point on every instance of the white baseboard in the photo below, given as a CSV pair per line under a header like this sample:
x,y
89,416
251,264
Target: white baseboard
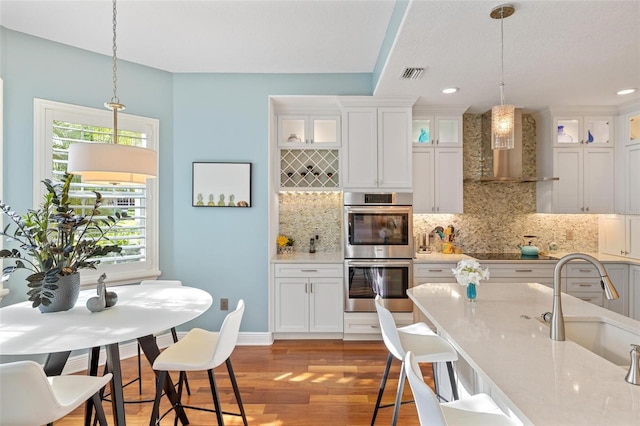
x,y
130,349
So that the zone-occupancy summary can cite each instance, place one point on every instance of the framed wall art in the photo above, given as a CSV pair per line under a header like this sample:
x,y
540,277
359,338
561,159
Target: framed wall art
x,y
221,184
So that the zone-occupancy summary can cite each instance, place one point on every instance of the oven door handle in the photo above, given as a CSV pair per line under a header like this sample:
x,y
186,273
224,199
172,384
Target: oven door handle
x,y
377,264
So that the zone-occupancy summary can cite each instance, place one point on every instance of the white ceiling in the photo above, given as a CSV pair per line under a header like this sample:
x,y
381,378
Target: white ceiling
x,y
555,52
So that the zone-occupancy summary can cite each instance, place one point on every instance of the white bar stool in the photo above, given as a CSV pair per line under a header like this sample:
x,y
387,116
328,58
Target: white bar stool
x,y
28,397
201,350
478,409
422,341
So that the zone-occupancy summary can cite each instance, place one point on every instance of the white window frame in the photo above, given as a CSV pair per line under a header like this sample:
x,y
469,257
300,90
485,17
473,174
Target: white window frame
x,y
45,112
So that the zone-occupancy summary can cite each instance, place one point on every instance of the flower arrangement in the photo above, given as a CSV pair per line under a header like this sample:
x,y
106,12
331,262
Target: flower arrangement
x,y
469,271
285,244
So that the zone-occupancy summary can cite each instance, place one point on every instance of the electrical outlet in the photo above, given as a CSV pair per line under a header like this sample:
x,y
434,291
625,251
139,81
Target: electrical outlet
x,y
569,235
224,304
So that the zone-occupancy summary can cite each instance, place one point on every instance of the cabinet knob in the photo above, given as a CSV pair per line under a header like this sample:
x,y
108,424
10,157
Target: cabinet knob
x,y
581,208
622,252
587,209
626,252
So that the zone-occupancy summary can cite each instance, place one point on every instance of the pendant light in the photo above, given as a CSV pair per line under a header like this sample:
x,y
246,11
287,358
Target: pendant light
x,y
502,116
112,163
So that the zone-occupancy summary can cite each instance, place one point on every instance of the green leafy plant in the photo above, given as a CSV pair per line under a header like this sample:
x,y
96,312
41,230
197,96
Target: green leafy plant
x,y
55,241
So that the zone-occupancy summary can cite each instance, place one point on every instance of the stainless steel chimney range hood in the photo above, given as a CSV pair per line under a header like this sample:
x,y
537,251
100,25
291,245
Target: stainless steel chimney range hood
x,y
507,165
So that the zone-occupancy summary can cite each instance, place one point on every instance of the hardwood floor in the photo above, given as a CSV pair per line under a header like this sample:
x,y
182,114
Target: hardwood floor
x,y
292,383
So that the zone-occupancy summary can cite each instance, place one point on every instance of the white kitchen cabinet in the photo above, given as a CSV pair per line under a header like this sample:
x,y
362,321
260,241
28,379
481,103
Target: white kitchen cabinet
x,y
584,163
436,130
366,326
309,298
309,130
433,273
586,183
377,148
619,235
634,292
533,271
586,130
582,280
631,173
437,179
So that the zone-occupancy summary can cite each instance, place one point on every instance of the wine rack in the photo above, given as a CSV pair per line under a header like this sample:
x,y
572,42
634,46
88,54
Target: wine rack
x,y
309,168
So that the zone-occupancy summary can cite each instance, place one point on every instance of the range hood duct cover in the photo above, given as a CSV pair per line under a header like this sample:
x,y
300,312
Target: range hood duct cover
x,y
508,163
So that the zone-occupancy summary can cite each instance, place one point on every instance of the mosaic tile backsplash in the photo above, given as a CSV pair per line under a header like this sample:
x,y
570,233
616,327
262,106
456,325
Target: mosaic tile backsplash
x,y
496,215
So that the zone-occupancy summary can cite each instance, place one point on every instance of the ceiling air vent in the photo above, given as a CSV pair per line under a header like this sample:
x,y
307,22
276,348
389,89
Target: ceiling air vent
x,y
412,73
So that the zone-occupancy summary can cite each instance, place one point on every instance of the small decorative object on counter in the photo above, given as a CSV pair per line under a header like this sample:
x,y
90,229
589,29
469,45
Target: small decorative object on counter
x,y
469,273
104,299
285,244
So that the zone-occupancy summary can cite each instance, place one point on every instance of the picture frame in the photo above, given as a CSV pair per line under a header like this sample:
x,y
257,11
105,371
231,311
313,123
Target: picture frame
x,y
219,184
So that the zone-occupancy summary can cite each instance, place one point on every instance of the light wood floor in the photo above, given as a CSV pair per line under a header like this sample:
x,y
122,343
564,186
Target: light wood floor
x,y
301,382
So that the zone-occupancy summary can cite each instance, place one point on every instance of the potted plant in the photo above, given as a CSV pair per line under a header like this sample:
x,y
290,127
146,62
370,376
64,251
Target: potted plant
x,y
54,243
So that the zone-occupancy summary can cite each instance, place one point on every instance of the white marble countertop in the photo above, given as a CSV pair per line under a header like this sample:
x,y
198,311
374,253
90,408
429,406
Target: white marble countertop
x,y
433,257
308,258
544,382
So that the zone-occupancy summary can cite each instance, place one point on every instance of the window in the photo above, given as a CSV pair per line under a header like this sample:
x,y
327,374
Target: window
x,y
56,126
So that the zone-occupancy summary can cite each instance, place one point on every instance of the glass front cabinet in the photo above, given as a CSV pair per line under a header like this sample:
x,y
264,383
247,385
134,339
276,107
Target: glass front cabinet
x,y
593,131
309,131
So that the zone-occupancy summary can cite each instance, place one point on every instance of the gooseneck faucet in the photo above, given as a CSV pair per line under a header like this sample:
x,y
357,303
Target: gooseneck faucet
x,y
557,319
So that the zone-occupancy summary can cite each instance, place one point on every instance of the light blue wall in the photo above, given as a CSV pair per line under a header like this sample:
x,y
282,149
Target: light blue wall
x,y
203,117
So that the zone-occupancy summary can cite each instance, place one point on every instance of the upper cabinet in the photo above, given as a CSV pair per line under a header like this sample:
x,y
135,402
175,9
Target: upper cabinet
x,y
583,130
437,160
633,121
305,141
309,131
579,149
436,130
376,150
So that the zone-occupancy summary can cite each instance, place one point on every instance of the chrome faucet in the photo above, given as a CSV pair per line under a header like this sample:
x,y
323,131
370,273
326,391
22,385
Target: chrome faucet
x,y
557,319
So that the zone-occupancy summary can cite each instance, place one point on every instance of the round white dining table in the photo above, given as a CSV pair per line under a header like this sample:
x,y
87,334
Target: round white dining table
x,y
139,312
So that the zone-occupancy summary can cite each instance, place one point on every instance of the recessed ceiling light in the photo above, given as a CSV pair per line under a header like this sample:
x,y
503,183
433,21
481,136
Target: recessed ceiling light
x,y
626,91
450,90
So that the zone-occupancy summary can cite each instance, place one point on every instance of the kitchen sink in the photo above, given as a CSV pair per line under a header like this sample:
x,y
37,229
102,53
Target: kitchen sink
x,y
602,336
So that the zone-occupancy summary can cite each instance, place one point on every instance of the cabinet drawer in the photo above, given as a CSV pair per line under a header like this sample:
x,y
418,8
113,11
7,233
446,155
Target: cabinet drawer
x,y
583,285
595,298
580,270
309,270
521,270
433,270
367,323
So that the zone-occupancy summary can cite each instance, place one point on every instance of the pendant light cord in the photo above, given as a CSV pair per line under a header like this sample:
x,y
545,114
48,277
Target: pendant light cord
x,y
115,104
115,99
501,56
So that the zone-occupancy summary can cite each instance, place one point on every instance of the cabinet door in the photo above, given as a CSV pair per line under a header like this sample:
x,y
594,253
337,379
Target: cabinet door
x,y
448,180
422,131
292,130
632,179
448,131
567,191
632,248
598,172
326,306
634,292
597,131
360,151
423,181
292,305
611,234
394,148
567,131
324,129
619,275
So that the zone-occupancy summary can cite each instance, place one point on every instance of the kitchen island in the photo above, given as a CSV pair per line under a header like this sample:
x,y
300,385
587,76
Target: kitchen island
x,y
506,352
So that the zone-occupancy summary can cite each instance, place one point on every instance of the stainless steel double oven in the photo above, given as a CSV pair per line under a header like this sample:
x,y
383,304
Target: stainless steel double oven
x,y
378,250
